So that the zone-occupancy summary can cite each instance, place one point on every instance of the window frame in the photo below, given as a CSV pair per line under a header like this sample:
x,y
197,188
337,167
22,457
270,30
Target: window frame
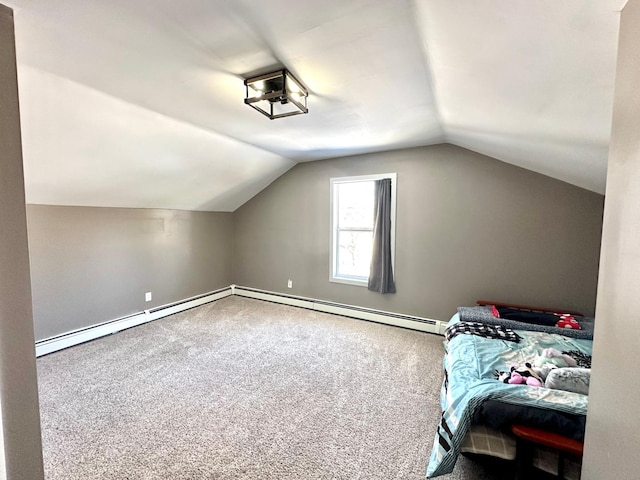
x,y
333,266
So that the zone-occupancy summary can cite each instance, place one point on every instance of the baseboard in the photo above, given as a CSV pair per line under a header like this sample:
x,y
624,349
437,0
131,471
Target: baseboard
x,y
388,318
75,337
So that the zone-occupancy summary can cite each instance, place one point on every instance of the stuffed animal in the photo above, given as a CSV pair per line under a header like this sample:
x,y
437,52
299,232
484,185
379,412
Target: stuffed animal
x,y
520,375
567,321
555,358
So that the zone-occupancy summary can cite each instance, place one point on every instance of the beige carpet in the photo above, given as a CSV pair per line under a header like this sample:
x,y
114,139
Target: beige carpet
x,y
245,389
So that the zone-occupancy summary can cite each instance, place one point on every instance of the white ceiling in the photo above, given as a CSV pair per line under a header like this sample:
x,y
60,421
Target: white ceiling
x,y
138,103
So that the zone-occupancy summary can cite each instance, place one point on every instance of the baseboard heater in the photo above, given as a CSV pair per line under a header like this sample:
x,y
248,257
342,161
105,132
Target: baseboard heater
x,y
76,337
379,316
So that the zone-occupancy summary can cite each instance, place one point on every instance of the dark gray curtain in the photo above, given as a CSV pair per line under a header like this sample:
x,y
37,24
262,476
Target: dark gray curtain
x,y
381,272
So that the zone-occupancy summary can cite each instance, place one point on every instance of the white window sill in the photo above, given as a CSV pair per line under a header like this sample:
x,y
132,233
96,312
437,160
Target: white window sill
x,y
350,281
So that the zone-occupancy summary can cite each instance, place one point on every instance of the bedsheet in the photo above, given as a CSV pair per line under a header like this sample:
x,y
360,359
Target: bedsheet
x,y
469,365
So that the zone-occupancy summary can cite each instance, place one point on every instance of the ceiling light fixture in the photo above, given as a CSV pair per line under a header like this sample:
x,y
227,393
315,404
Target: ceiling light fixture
x,y
276,95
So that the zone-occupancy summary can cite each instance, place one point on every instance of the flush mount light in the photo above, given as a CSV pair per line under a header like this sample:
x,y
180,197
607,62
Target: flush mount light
x,y
276,95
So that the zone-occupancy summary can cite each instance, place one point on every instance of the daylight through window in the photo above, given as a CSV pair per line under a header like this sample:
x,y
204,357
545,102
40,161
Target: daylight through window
x,y
352,227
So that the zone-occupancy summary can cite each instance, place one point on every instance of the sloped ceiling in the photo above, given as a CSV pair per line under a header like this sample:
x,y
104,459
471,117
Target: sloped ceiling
x,y
138,103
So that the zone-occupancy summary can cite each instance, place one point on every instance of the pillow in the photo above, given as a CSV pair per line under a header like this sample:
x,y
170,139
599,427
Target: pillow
x,y
569,379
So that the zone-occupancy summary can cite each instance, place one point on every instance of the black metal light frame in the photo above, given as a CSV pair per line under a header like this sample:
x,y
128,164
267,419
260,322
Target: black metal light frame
x,y
276,91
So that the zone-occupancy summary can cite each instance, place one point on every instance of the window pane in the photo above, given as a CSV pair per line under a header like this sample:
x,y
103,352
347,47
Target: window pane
x,y
355,204
354,253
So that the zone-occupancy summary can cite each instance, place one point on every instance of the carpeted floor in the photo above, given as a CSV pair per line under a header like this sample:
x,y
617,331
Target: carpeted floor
x,y
245,389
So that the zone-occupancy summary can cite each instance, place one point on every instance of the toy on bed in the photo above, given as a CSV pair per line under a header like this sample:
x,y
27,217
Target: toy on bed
x,y
481,347
551,369
550,359
520,375
551,356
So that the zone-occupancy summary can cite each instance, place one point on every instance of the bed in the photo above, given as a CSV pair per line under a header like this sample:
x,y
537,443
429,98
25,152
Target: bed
x,y
479,407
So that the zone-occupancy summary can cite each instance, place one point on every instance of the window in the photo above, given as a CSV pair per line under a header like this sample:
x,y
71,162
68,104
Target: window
x,y
352,226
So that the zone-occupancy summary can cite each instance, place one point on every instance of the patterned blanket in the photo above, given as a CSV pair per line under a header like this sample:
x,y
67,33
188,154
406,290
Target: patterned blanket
x,y
469,365
482,330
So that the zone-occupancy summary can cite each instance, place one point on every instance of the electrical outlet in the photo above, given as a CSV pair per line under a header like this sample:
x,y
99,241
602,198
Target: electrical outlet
x,y
147,297
290,283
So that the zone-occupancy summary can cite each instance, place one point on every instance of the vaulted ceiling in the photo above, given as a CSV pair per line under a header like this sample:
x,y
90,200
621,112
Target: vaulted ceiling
x,y
138,103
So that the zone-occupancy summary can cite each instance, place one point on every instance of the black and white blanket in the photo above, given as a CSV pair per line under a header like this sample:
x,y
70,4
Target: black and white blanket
x,y
482,330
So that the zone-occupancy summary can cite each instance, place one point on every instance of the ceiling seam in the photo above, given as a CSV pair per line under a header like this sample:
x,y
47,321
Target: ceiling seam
x,y
428,66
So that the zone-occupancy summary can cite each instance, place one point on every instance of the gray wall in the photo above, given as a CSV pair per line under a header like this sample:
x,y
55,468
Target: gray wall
x,y
613,423
468,227
20,419
91,265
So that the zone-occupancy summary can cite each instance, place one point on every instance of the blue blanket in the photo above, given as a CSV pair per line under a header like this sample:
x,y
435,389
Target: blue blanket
x,y
469,364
